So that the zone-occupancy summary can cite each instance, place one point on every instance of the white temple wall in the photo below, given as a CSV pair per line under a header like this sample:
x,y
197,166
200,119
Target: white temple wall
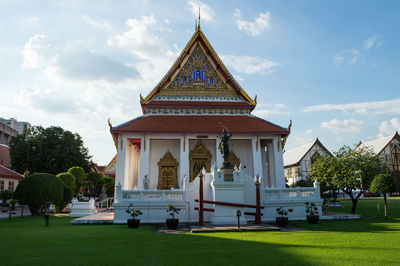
x,y
158,148
242,149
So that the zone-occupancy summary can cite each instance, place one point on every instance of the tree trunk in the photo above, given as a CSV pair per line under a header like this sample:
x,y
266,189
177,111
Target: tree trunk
x,y
22,211
385,201
353,201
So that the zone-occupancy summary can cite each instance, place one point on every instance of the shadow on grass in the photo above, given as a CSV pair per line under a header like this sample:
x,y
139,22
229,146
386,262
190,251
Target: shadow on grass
x,y
362,225
63,244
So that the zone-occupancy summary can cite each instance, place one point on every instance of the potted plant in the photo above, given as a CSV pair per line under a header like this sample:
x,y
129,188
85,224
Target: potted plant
x,y
312,213
172,223
282,220
133,222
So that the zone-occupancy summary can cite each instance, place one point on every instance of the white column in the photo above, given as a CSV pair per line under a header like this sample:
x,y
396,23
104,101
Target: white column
x,y
144,160
257,163
121,162
278,157
183,160
219,160
271,165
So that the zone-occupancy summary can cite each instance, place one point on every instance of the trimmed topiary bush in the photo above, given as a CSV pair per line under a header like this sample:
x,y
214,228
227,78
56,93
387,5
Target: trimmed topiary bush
x,y
38,189
78,172
383,183
68,179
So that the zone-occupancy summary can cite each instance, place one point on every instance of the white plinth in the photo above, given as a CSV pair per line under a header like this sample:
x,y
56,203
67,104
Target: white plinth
x,y
82,208
231,192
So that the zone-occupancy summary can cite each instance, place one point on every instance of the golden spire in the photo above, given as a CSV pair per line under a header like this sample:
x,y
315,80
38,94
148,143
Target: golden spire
x,y
199,19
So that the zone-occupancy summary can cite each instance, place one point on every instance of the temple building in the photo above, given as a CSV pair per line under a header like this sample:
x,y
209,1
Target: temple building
x,y
162,153
297,161
389,149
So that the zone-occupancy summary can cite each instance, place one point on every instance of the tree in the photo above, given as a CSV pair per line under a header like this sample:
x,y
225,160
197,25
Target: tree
x,y
5,195
383,183
96,179
351,170
51,150
109,183
38,189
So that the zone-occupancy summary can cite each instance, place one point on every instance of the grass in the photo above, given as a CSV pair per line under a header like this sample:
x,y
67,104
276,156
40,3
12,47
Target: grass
x,y
371,241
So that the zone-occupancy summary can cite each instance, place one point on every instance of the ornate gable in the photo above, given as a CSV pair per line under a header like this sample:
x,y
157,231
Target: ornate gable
x,y
198,71
197,77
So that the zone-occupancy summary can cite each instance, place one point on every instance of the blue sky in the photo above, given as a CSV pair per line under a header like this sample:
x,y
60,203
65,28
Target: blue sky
x,y
330,66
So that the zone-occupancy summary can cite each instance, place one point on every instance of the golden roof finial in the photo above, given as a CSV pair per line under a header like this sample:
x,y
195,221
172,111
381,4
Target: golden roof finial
x,y
199,18
195,24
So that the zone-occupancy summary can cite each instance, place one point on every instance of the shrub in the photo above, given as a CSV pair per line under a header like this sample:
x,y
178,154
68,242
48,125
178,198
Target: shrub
x,y
5,196
109,183
303,183
68,179
78,172
37,189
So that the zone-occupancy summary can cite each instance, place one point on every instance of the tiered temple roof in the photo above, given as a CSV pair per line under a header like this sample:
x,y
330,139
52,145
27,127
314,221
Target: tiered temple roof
x,y
198,95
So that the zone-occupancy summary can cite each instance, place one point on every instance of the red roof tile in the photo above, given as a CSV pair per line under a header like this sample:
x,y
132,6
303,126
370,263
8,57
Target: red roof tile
x,y
245,124
8,173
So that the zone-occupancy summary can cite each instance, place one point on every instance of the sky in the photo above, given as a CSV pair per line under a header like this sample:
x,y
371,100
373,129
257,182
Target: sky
x,y
332,67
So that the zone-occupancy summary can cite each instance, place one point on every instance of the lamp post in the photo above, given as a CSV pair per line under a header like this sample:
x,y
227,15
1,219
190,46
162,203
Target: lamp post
x,y
257,181
238,213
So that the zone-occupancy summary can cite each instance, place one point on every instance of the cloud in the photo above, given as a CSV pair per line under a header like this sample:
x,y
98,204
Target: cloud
x,y
254,28
85,65
349,56
387,128
206,13
142,39
97,23
265,110
378,107
48,100
71,62
249,64
371,42
347,125
36,52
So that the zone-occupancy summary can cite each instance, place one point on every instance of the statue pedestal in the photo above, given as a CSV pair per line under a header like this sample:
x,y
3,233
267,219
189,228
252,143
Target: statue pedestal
x,y
228,192
228,174
82,208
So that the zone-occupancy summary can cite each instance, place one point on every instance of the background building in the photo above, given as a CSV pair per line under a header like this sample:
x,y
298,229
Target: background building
x,y
297,161
389,149
14,124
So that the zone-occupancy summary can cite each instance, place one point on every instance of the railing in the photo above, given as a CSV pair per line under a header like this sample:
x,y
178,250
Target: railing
x,y
105,203
300,193
149,195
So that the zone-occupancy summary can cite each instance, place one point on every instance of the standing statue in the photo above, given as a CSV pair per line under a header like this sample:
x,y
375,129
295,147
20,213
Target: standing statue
x,y
224,147
146,183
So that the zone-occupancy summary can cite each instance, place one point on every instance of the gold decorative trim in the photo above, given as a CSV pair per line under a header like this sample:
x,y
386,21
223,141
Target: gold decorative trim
x,y
199,157
234,160
167,172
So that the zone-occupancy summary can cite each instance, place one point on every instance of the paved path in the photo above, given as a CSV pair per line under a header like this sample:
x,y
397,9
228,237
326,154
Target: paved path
x,y
4,215
98,218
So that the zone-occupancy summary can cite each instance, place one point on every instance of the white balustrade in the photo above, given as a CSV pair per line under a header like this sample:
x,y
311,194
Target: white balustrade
x,y
150,195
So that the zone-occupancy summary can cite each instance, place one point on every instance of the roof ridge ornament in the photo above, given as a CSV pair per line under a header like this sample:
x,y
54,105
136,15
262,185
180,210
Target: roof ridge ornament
x,y
198,26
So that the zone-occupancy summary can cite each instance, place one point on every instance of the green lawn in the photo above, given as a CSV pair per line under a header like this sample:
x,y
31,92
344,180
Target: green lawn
x,y
369,241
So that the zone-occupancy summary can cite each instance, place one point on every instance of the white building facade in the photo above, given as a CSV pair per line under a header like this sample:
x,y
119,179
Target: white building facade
x,y
298,161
